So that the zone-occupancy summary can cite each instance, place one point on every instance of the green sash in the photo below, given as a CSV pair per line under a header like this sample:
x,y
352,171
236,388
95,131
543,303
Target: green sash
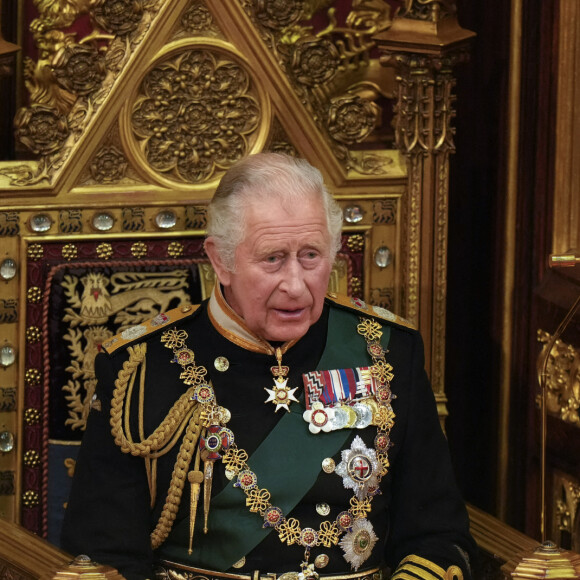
x,y
281,463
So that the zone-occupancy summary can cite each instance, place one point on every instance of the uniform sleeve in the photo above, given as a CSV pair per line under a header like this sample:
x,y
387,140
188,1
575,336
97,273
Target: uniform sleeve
x,y
107,515
429,522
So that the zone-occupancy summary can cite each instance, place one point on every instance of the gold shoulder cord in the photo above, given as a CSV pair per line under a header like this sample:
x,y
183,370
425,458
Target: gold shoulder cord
x,y
184,415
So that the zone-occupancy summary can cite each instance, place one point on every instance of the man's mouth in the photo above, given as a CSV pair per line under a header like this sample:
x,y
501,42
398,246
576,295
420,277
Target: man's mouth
x,y
290,313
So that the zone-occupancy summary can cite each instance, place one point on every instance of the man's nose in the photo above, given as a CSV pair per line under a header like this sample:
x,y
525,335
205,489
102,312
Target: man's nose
x,y
293,278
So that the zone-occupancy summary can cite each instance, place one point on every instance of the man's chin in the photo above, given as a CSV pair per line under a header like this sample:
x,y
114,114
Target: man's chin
x,y
286,332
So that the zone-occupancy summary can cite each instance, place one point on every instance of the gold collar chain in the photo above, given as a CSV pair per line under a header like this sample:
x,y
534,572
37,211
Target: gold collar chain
x,y
217,442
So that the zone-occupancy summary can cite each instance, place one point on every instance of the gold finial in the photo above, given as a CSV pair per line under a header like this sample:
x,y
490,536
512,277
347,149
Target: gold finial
x,y
546,561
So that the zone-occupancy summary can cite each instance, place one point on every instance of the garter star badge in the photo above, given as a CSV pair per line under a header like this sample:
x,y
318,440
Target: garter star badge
x,y
359,469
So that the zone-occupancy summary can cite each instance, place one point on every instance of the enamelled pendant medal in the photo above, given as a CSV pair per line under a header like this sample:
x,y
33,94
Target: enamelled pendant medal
x,y
280,394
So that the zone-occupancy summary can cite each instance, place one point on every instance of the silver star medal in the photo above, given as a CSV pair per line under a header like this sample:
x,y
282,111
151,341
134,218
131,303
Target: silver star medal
x,y
358,543
281,394
359,469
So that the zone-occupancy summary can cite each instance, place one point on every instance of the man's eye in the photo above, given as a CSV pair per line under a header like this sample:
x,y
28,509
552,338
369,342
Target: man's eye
x,y
272,259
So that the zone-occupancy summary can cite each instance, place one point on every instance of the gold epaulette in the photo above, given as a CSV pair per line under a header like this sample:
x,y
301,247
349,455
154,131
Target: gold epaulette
x,y
153,324
414,567
364,308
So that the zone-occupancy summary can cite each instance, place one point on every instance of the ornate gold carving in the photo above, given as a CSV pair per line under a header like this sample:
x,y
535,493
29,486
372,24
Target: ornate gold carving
x,y
279,13
198,20
7,399
120,17
70,221
195,217
9,223
385,211
566,508
411,236
42,129
440,273
425,102
351,119
384,297
424,133
70,81
314,61
562,380
8,310
196,115
79,68
432,10
126,299
279,141
133,219
109,165
332,71
7,486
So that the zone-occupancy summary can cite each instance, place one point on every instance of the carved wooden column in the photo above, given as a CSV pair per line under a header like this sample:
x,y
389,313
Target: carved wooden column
x,y
424,44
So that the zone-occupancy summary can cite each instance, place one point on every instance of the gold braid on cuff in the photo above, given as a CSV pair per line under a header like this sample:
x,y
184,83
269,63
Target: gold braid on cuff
x,y
414,567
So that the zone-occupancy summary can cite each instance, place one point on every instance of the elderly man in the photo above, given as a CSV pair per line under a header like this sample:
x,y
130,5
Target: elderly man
x,y
274,430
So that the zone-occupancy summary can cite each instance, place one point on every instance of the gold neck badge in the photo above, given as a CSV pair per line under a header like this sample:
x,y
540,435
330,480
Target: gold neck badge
x,y
232,326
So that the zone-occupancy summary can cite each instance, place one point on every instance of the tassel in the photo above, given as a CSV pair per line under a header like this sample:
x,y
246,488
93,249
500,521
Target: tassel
x,y
195,478
208,473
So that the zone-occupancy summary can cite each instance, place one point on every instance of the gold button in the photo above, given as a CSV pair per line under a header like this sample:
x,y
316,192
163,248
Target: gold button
x,y
185,308
221,363
328,465
322,509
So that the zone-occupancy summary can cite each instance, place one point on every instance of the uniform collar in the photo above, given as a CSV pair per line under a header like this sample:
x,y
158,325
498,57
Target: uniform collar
x,y
232,326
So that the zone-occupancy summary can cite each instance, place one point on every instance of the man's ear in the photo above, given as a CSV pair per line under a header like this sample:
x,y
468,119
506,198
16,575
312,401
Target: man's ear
x,y
223,274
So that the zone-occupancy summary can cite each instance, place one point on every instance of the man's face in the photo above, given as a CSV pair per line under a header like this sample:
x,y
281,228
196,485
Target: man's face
x,y
282,270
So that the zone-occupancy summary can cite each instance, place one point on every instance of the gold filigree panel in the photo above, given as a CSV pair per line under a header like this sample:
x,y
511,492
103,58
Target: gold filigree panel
x,y
566,511
562,379
198,110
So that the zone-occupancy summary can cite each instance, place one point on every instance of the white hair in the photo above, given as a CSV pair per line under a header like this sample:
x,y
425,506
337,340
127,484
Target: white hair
x,y
266,177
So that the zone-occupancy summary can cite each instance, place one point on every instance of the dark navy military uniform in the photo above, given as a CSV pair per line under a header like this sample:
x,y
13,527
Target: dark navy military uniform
x,y
419,511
